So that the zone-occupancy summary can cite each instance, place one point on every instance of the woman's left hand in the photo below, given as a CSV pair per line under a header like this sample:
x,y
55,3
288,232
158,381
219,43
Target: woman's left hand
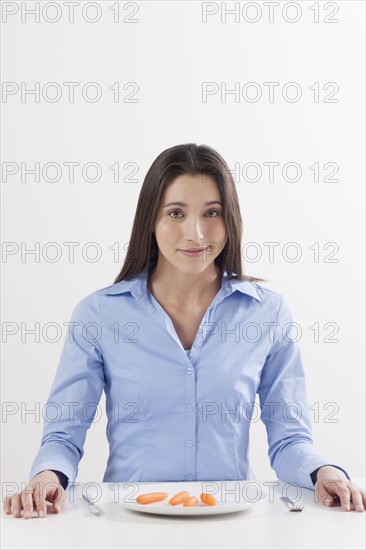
x,y
332,485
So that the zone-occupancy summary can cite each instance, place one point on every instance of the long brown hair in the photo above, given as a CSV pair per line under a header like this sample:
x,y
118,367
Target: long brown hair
x,y
192,159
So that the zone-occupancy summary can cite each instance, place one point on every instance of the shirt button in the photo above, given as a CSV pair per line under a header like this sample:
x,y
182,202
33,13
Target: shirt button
x,y
189,443
189,476
189,370
189,408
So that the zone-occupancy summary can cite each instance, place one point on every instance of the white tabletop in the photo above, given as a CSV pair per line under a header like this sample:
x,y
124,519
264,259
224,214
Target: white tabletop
x,y
265,525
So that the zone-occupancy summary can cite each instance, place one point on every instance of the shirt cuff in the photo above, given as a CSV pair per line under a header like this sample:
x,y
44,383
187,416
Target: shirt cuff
x,y
62,478
314,474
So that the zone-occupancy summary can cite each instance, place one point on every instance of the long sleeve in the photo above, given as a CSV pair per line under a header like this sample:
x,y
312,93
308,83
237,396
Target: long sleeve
x,y
284,407
75,393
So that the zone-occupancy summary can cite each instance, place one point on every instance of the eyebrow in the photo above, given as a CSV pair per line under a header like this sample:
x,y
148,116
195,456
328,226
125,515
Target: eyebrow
x,y
184,204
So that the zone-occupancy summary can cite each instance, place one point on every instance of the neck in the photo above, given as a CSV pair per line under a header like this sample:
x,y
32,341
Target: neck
x,y
182,290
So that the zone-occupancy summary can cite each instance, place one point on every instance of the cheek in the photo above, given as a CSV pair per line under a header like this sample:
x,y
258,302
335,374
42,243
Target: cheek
x,y
166,231
219,231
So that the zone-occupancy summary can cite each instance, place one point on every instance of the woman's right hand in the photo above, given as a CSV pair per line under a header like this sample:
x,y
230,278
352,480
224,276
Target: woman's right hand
x,y
43,487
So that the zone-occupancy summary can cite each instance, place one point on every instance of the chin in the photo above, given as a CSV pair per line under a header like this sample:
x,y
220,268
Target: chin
x,y
195,267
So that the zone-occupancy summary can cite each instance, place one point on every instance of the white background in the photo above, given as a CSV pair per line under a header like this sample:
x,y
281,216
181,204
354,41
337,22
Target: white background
x,y
169,53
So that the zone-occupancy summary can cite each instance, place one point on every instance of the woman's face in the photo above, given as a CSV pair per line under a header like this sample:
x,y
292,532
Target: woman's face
x,y
192,224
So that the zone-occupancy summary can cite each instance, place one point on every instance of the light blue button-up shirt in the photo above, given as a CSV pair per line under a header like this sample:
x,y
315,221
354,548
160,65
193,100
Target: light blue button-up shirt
x,y
174,416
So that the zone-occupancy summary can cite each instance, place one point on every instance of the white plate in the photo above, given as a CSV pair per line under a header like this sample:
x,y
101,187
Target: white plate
x,y
231,496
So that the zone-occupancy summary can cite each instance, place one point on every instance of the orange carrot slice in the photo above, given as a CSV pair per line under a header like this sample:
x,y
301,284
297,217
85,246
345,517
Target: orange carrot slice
x,y
148,498
190,501
179,498
208,499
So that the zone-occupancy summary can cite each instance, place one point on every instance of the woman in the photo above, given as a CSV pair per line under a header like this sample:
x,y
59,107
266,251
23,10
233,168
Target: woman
x,y
181,343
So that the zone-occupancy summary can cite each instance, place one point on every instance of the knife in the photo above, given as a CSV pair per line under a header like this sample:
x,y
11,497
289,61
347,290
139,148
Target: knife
x,y
92,507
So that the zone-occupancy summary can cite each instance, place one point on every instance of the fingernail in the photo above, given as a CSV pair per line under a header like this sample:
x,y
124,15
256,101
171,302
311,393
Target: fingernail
x,y
26,514
359,507
15,511
41,514
346,507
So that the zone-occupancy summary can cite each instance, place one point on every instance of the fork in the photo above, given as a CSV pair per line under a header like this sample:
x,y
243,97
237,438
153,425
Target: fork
x,y
294,506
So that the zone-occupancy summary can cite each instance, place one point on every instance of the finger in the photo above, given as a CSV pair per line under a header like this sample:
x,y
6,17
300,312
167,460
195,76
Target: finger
x,y
7,504
58,499
333,487
323,495
363,496
27,499
40,501
356,496
345,496
340,488
16,505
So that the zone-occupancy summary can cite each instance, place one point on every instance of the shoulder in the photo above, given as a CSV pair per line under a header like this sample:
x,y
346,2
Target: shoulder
x,y
87,307
265,299
262,294
91,302
276,301
267,294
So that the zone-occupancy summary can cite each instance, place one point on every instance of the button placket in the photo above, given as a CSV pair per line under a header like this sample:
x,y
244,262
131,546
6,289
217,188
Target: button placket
x,y
189,432
189,435
198,341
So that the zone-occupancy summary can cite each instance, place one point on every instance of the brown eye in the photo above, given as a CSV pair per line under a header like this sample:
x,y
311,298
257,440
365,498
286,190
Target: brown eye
x,y
174,211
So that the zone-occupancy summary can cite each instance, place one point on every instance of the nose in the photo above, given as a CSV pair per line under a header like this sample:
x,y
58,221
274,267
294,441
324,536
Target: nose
x,y
193,229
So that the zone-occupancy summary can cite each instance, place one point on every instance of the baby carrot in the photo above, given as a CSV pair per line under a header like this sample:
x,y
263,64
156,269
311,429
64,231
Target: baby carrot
x,y
179,498
190,501
148,498
208,499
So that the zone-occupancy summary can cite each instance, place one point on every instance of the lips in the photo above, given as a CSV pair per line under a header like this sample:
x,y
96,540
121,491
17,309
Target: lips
x,y
195,252
194,249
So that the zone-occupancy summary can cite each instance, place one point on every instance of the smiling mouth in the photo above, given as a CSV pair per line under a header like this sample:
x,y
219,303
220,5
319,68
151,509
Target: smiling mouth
x,y
195,249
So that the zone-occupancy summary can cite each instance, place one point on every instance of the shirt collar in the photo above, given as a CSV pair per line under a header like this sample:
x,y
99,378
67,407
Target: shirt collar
x,y
138,285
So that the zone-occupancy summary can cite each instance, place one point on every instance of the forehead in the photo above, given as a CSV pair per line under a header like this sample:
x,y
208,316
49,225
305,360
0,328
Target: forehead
x,y
199,186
